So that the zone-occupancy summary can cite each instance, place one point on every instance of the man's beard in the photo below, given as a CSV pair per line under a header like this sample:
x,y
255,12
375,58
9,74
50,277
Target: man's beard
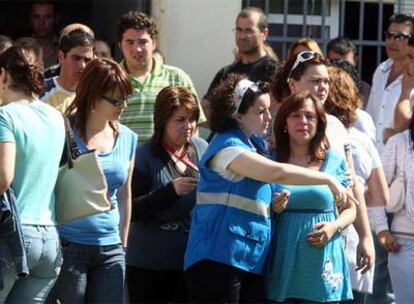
x,y
249,51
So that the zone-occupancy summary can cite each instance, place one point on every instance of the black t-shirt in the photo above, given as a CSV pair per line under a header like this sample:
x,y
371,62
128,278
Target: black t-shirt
x,y
262,69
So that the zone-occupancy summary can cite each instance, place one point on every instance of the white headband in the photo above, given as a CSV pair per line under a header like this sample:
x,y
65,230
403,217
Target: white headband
x,y
240,90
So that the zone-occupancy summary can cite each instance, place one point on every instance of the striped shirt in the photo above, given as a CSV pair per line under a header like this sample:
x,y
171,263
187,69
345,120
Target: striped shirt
x,y
138,116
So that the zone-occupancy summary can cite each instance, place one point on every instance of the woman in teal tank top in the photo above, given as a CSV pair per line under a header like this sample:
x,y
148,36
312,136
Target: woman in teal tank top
x,y
307,260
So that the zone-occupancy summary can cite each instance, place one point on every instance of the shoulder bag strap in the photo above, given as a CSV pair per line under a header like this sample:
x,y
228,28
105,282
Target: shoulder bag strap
x,y
71,145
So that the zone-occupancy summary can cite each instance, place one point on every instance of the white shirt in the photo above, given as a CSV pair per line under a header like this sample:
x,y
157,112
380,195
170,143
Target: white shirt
x,y
365,124
364,154
337,135
382,100
220,162
404,219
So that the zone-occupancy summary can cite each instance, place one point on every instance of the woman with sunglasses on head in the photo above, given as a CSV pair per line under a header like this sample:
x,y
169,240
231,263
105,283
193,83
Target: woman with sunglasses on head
x,y
93,247
31,143
230,228
308,71
307,260
164,182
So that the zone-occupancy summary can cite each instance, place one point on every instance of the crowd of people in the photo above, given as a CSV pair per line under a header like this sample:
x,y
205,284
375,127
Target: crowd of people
x,y
284,202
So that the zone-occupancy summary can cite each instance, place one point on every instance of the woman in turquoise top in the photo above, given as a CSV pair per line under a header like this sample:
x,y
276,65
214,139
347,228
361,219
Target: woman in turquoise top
x,y
307,260
31,143
93,255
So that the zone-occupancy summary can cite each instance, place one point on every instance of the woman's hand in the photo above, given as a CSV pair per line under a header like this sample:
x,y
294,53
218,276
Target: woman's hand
x,y
184,185
388,242
322,233
340,192
280,201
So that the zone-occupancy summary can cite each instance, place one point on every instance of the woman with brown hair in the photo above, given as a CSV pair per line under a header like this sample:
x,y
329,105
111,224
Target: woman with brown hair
x,y
164,182
309,71
231,223
31,143
93,247
307,260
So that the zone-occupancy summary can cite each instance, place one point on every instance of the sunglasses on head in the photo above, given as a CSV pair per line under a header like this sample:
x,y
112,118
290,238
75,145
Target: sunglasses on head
x,y
396,35
116,102
300,58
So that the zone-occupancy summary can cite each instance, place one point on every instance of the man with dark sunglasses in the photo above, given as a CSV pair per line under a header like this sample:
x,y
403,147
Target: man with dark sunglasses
x,y
386,83
385,93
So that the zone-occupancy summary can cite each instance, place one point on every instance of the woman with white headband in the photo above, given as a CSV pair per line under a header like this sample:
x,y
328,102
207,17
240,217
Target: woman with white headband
x,y
230,229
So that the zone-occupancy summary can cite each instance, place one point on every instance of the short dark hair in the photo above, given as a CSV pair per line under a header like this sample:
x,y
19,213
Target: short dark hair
x,y
137,21
342,46
25,72
75,38
402,19
45,2
247,12
222,103
5,42
350,69
318,144
169,100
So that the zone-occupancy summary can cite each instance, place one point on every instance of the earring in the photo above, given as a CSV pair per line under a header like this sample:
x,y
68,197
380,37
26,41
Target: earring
x,y
284,130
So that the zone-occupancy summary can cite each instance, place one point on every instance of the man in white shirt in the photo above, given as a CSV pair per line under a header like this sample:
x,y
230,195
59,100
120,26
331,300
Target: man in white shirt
x,y
385,93
386,83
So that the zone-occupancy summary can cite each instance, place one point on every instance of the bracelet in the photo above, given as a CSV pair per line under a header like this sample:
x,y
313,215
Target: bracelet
x,y
339,228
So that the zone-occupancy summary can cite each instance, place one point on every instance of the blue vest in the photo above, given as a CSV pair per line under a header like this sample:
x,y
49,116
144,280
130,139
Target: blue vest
x,y
231,219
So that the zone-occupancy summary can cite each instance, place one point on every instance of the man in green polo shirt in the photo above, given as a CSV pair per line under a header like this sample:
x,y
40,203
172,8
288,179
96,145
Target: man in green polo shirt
x,y
137,34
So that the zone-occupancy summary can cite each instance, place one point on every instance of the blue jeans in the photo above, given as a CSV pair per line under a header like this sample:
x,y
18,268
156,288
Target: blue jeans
x,y
401,266
382,290
44,261
90,274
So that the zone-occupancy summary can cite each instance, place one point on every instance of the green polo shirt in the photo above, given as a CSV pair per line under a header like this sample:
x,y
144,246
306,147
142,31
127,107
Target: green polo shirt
x,y
138,116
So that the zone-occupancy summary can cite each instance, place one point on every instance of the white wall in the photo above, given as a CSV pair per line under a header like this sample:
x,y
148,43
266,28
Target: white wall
x,y
196,35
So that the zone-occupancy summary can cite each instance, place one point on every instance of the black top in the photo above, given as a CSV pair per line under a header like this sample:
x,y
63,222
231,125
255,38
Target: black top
x,y
160,218
262,69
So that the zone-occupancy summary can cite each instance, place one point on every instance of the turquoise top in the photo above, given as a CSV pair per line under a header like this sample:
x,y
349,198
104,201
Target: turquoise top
x,y
38,132
296,269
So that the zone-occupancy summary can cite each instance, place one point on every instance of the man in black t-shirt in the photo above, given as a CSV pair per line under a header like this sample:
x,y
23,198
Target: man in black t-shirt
x,y
251,32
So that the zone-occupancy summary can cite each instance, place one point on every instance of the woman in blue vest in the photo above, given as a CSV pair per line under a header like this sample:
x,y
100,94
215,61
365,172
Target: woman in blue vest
x,y
307,260
230,229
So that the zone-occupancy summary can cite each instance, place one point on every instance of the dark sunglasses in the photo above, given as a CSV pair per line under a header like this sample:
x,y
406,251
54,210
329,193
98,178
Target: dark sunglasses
x,y
116,102
396,35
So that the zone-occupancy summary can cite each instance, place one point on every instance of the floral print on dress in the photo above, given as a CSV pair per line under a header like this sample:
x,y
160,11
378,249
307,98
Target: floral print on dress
x,y
334,279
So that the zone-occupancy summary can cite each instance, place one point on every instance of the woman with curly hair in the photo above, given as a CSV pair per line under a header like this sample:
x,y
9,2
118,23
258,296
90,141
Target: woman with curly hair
x,y
230,228
345,87
345,103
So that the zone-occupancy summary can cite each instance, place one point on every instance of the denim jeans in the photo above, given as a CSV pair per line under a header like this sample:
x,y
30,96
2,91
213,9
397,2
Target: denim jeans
x,y
382,291
90,274
401,267
44,261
